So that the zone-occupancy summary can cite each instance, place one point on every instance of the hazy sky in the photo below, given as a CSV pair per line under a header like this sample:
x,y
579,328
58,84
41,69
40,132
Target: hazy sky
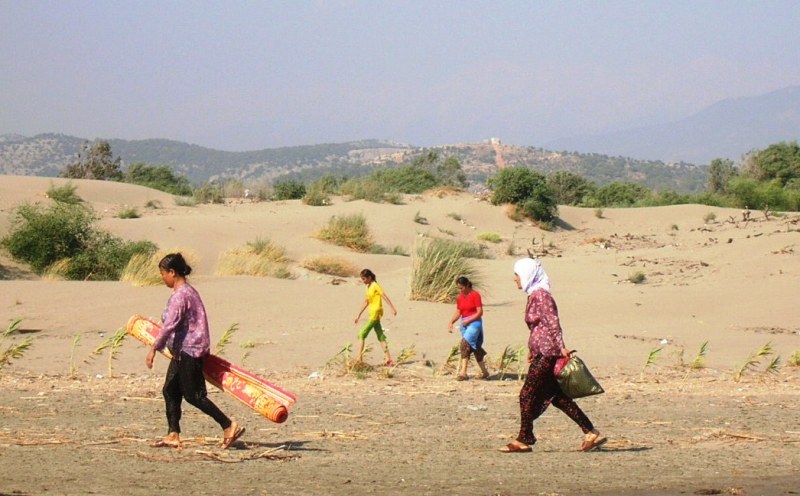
x,y
245,75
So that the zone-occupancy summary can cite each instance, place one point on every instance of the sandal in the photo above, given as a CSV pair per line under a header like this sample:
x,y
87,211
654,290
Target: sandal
x,y
593,443
461,377
482,376
228,441
515,448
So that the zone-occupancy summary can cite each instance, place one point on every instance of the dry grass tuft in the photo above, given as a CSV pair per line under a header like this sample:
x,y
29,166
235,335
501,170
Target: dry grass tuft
x,y
259,258
142,269
331,265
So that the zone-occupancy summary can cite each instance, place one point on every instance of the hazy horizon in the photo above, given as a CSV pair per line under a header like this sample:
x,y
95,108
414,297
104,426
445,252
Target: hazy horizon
x,y
255,75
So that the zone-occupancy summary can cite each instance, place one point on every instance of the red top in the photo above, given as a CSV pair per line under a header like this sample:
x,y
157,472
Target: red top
x,y
468,304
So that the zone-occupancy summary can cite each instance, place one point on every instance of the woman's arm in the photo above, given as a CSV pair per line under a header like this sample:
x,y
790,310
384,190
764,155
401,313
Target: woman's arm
x,y
363,307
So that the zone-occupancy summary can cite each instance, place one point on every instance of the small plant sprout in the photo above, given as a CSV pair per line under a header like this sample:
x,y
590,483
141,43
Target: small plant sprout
x,y
225,340
699,360
652,357
794,359
14,351
449,364
73,369
419,219
490,237
405,356
510,357
112,344
753,361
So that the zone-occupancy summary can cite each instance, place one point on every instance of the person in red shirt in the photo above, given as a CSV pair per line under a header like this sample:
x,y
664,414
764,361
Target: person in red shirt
x,y
469,308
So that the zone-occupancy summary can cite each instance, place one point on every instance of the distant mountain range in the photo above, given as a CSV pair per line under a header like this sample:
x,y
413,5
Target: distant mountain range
x,y
48,154
727,129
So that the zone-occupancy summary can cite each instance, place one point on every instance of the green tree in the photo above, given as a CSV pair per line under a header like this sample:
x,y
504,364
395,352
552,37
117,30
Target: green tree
x,y
619,194
450,173
780,161
569,188
720,172
525,188
95,161
409,179
158,177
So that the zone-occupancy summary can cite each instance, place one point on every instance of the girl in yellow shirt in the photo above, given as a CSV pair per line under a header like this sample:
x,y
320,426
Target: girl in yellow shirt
x,y
374,301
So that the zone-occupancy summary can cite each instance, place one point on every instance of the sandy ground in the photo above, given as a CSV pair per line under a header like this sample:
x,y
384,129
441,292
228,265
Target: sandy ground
x,y
414,430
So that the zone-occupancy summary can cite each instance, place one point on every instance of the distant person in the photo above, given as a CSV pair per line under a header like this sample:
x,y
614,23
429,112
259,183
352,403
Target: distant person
x,y
185,334
469,309
246,194
374,301
545,346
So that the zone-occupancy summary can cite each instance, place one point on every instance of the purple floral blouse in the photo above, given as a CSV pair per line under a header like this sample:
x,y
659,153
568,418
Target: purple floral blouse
x,y
185,327
541,315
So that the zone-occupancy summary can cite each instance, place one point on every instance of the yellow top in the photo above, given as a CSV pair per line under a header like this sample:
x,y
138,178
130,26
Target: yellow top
x,y
375,299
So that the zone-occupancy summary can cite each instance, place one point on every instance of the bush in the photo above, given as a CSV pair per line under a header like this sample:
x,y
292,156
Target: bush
x,y
350,231
316,197
435,266
128,213
209,193
65,233
288,189
41,237
64,194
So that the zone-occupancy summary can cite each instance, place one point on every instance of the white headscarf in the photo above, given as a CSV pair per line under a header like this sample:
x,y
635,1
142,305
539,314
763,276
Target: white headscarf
x,y
531,275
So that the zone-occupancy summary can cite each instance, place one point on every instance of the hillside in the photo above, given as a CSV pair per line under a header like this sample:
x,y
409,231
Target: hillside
x,y
48,154
726,129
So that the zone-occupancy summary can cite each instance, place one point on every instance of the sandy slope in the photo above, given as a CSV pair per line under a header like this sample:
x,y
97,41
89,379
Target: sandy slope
x,y
730,283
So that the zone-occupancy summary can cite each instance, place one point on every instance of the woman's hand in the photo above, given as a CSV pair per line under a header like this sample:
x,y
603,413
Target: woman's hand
x,y
150,356
565,352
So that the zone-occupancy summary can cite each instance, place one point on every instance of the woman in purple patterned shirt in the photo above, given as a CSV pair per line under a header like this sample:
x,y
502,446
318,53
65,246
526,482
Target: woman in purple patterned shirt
x,y
185,334
545,346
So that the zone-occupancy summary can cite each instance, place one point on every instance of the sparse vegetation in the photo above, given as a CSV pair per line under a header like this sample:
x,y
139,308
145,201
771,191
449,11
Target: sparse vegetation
x,y
153,204
794,359
709,218
515,358
598,212
112,343
698,362
419,219
490,237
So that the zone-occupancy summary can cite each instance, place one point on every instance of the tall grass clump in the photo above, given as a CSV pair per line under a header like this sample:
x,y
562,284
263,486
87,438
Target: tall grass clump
x,y
331,265
15,350
350,231
436,263
65,235
652,357
637,277
259,258
64,194
142,268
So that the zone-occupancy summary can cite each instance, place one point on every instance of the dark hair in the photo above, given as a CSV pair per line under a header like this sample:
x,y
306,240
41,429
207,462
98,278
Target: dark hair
x,y
176,262
463,281
368,274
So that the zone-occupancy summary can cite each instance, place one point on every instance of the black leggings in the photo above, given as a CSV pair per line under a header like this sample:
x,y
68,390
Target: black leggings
x,y
541,389
185,380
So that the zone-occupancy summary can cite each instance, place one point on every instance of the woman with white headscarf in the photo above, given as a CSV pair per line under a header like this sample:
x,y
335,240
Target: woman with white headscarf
x,y
545,346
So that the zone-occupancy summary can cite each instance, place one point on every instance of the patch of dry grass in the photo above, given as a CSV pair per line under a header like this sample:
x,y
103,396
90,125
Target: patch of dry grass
x,y
331,265
259,258
142,269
